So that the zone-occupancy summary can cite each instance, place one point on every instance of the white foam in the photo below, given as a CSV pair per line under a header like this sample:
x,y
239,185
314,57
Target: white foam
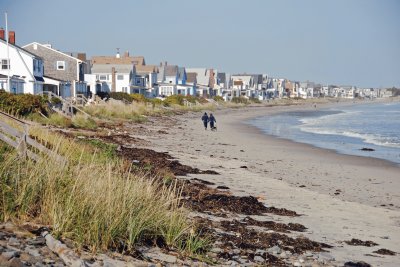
x,y
367,138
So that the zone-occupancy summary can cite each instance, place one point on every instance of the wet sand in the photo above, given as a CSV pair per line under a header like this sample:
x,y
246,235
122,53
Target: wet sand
x,y
340,197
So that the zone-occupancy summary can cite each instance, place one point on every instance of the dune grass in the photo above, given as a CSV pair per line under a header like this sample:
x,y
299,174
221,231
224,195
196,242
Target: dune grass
x,y
93,198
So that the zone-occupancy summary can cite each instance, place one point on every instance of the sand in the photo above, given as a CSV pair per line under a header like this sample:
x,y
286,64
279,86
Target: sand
x,y
298,177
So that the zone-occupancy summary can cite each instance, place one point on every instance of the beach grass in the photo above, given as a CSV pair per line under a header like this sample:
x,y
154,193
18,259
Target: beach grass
x,y
92,198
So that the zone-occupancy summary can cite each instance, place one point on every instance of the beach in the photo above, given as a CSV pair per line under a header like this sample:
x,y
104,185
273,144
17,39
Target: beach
x,y
340,197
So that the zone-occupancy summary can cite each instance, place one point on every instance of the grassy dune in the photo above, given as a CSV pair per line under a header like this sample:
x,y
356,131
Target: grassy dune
x,y
92,198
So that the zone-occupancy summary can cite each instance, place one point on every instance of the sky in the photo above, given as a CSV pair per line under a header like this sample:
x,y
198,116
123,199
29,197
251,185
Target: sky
x,y
342,42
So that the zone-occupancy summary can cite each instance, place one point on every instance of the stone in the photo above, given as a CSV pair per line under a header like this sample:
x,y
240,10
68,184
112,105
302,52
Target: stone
x,y
258,259
297,264
325,257
9,254
283,255
16,262
260,252
32,251
13,241
236,251
216,250
274,250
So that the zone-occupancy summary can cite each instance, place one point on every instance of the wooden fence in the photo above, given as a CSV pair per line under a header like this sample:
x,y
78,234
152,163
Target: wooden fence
x,y
18,137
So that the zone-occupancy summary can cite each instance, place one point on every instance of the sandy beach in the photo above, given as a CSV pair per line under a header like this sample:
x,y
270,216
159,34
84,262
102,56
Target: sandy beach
x,y
339,196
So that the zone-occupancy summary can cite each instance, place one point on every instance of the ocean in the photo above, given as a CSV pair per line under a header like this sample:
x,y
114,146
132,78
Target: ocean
x,y
346,129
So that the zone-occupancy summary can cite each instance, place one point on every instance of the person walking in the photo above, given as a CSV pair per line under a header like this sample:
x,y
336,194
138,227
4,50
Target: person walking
x,y
212,121
205,120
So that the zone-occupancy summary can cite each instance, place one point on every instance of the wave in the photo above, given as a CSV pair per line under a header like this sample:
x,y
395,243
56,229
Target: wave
x,y
367,138
327,118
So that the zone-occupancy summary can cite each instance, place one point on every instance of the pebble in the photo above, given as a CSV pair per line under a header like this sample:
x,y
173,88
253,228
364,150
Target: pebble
x,y
13,241
283,255
258,259
297,264
9,254
274,250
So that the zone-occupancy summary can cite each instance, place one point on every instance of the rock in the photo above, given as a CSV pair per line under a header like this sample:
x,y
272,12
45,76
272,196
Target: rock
x,y
7,255
236,251
3,261
15,262
283,255
259,259
13,242
32,251
216,250
260,252
156,254
48,261
274,250
37,241
297,264
324,257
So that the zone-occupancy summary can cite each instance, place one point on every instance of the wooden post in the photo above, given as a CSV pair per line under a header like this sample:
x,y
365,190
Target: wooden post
x,y
22,146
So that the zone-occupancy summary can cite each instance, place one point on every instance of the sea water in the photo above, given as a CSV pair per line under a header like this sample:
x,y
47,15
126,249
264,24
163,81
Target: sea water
x,y
346,129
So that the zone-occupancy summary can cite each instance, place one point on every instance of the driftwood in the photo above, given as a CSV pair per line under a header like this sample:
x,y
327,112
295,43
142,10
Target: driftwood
x,y
66,254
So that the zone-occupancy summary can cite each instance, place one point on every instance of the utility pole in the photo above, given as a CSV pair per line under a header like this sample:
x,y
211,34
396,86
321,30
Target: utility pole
x,y
8,56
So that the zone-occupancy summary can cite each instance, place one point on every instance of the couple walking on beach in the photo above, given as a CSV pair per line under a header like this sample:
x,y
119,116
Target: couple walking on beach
x,y
205,118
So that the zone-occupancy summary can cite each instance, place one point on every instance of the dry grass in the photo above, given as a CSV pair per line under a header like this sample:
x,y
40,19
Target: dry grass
x,y
92,199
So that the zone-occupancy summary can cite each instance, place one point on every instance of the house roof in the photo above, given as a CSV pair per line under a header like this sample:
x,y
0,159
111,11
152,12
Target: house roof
x,y
106,68
203,75
146,68
139,61
181,72
20,48
191,77
171,70
54,50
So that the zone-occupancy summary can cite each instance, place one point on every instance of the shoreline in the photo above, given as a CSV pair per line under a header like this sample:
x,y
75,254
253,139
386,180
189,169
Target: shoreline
x,y
340,196
322,107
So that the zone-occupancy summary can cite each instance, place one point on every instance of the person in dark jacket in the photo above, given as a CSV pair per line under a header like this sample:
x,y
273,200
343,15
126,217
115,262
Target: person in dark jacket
x,y
205,120
212,121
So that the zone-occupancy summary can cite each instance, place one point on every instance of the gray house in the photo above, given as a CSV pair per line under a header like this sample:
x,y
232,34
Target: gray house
x,y
63,72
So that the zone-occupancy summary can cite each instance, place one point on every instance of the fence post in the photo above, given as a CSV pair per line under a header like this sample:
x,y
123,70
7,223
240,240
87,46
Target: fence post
x,y
22,146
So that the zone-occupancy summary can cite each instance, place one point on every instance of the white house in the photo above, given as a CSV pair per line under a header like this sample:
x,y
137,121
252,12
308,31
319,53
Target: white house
x,y
20,64
113,74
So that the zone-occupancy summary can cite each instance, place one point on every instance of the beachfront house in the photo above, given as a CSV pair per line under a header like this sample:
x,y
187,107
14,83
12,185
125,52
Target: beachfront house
x,y
205,81
24,69
63,73
114,74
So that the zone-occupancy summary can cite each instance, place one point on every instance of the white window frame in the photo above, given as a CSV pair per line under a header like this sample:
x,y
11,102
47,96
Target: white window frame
x,y
59,64
5,64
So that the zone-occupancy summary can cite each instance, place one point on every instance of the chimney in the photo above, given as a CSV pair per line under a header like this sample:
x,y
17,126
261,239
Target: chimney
x,y
118,55
165,63
113,85
11,37
126,54
2,34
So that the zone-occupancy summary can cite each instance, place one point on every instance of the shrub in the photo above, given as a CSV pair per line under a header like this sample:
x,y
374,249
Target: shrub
x,y
254,100
121,96
139,98
23,104
218,98
240,100
174,100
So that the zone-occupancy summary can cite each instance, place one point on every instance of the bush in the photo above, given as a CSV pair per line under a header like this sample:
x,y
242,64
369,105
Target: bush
x,y
139,98
240,100
121,96
84,122
255,100
218,98
174,100
22,105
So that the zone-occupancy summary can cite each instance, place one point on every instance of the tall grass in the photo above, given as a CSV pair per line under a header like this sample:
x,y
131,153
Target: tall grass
x,y
92,199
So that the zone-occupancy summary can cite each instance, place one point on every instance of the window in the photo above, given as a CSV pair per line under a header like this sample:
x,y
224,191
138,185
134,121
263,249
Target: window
x,y
5,64
120,77
102,77
60,65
